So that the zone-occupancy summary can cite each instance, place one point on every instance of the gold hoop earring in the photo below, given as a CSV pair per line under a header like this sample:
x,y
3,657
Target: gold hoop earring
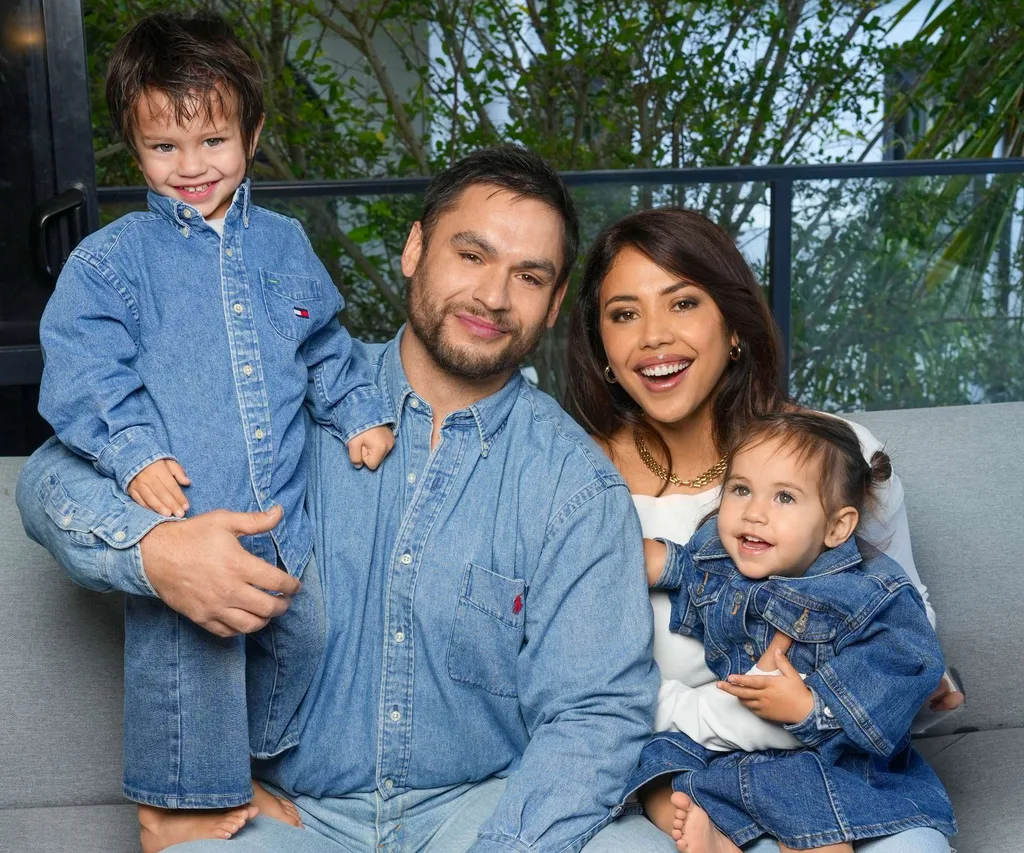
x,y
609,377
735,352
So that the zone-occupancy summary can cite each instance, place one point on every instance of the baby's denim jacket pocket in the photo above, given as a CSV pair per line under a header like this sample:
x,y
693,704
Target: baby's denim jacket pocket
x,y
293,303
488,631
801,620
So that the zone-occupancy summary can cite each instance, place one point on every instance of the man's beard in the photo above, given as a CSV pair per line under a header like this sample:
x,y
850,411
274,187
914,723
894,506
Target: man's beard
x,y
427,319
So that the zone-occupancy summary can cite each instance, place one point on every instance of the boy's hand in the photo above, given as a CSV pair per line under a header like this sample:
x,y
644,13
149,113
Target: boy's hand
x,y
369,448
778,698
158,487
654,558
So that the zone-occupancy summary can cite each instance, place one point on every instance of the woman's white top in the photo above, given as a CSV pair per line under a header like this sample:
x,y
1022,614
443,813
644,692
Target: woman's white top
x,y
689,700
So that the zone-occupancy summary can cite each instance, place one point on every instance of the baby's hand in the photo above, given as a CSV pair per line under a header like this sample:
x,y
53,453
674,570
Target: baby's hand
x,y
655,554
369,448
158,487
778,698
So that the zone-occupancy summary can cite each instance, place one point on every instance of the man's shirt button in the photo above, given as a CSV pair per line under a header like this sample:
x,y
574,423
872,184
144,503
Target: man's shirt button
x,y
238,308
406,559
399,636
247,370
414,403
258,433
228,252
395,716
388,784
119,536
411,478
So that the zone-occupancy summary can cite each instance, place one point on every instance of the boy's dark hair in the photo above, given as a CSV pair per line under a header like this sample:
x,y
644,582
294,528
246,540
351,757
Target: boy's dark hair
x,y
516,169
847,479
186,58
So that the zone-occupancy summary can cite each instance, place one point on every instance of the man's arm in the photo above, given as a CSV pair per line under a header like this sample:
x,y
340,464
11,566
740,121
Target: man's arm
x,y
107,542
586,679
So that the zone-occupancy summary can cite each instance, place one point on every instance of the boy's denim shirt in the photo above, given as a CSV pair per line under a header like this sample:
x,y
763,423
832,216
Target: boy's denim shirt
x,y
860,627
163,340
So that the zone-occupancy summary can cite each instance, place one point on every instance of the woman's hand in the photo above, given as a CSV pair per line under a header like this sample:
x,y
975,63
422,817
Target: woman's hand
x,y
654,558
777,698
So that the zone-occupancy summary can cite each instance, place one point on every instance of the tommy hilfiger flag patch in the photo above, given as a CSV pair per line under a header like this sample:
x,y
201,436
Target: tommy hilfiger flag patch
x,y
301,312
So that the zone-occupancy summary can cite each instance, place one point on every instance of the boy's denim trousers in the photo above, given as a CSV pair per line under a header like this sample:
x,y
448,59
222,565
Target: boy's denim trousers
x,y
802,798
187,732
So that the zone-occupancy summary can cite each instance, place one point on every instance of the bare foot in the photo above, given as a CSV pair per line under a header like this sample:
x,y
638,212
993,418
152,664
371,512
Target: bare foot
x,y
697,834
162,828
279,808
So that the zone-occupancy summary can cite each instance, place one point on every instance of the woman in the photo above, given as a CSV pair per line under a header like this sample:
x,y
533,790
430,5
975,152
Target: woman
x,y
671,349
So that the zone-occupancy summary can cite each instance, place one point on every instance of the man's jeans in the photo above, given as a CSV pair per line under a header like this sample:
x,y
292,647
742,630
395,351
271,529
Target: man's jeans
x,y
446,820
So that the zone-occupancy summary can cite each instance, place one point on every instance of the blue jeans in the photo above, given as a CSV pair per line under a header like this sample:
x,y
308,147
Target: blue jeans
x,y
187,733
446,820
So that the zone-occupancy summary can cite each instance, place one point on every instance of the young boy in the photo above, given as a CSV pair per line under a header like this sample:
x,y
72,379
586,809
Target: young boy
x,y
187,339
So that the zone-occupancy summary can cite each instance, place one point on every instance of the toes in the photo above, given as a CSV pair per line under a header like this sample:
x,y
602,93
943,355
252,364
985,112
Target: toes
x,y
681,801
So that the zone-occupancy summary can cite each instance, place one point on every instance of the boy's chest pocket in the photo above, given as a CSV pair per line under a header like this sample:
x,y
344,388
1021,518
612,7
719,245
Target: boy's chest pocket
x,y
294,303
488,631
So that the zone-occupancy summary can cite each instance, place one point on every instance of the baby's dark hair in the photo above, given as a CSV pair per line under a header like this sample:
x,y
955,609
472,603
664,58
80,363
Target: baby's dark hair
x,y
846,478
187,58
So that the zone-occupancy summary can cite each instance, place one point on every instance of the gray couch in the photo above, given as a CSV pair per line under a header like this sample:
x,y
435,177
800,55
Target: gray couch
x,y
963,469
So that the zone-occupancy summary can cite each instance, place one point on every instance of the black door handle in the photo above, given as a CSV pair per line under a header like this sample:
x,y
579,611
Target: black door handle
x,y
69,206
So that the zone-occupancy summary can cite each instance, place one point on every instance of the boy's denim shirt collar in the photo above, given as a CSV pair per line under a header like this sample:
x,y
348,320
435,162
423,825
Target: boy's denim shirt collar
x,y
708,551
186,218
489,414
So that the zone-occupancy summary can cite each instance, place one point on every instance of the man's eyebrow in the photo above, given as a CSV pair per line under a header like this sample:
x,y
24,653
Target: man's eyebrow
x,y
471,238
541,265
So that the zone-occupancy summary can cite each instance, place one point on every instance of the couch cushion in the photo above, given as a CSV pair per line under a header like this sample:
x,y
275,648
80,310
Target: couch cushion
x,y
62,668
982,773
963,472
75,829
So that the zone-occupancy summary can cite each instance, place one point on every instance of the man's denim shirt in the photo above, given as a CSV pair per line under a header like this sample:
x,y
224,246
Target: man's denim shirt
x,y
860,627
487,610
164,340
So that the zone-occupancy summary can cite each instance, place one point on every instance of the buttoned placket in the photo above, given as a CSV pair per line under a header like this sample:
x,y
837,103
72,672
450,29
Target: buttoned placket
x,y
425,494
243,344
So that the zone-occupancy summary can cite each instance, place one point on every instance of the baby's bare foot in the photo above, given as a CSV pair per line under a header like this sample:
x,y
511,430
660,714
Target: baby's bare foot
x,y
279,808
697,834
162,828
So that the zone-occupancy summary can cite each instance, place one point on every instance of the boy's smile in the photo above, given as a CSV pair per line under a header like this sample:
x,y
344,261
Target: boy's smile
x,y
198,158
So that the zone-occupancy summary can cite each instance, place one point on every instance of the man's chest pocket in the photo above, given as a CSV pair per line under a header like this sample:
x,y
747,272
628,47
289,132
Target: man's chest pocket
x,y
488,631
294,303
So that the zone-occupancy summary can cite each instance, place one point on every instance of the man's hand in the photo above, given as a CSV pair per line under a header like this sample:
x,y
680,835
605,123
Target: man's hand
x,y
198,568
369,448
777,698
158,487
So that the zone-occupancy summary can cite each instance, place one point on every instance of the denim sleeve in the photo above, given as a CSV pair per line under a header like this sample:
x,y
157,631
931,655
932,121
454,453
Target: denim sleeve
x,y
675,578
342,393
881,675
90,392
586,679
80,517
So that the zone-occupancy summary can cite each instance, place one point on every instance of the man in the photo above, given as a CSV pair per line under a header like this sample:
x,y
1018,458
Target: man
x,y
487,683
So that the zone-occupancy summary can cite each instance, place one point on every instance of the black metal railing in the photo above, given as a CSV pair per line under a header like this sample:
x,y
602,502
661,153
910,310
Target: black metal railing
x,y
21,367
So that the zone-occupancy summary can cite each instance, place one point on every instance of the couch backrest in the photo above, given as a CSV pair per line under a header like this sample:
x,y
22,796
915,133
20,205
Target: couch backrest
x,y
61,670
963,473
61,665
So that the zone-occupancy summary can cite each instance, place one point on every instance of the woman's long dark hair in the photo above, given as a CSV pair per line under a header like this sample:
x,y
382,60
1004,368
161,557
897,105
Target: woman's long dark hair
x,y
690,246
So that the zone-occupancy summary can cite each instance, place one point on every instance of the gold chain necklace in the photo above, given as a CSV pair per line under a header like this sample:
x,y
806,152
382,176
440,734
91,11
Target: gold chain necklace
x,y
709,476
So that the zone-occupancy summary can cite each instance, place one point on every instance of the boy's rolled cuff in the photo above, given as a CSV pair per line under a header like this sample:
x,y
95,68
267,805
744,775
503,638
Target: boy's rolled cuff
x,y
362,409
128,453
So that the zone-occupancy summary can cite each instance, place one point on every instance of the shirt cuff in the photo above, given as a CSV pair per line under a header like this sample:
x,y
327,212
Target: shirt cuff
x,y
128,453
361,409
123,532
672,574
818,726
